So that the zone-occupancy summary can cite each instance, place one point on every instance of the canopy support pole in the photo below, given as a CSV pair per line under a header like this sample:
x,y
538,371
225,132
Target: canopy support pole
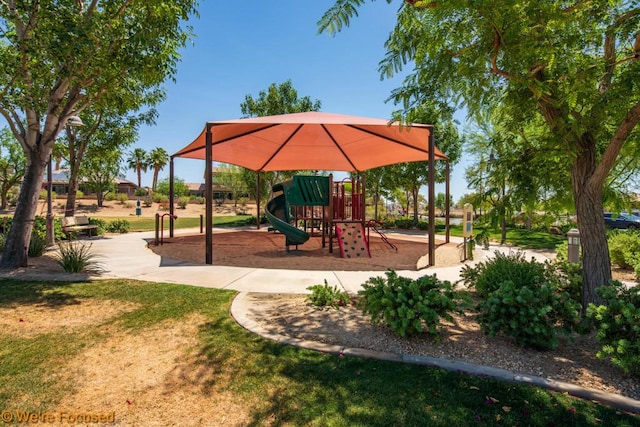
x,y
432,198
208,196
258,198
447,196
171,197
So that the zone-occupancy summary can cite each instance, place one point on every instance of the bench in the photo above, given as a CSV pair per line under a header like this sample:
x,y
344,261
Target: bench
x,y
76,224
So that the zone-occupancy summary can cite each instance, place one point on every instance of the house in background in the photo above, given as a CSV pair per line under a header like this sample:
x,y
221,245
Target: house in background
x,y
220,192
60,184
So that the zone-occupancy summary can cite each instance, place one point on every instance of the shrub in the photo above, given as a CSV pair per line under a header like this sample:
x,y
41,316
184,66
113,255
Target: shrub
x,y
140,192
325,295
79,194
37,245
531,314
183,202
618,325
101,223
3,241
160,197
147,201
122,198
76,257
624,248
409,307
200,200
562,251
487,276
118,226
404,223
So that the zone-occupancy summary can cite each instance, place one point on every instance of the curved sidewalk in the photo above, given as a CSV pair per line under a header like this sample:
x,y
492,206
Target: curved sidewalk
x,y
127,256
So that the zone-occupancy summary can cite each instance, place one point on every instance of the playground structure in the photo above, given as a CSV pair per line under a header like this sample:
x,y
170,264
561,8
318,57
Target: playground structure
x,y
305,205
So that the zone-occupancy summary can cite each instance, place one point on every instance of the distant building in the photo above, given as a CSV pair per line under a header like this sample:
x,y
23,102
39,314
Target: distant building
x,y
219,191
60,184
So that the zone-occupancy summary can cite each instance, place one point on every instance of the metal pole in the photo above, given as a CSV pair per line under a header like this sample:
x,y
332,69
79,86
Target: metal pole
x,y
258,201
171,197
432,198
208,195
50,234
447,195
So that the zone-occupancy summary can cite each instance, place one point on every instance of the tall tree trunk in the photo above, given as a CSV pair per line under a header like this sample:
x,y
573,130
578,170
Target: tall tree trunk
x,y
415,192
155,178
17,243
77,148
587,193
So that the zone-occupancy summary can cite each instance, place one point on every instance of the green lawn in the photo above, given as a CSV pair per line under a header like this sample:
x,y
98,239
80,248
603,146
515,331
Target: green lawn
x,y
148,224
526,239
277,384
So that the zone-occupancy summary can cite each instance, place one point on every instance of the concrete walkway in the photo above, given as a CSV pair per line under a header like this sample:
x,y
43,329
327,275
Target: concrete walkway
x,y
127,256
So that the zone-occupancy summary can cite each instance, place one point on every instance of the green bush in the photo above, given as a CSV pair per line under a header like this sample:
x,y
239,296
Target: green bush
x,y
118,226
160,197
562,251
140,192
624,248
76,257
147,201
101,223
409,307
122,198
79,194
487,276
403,223
110,196
618,325
325,295
183,202
3,241
531,314
37,245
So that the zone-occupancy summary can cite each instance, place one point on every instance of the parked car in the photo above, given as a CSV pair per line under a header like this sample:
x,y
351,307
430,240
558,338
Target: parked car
x,y
622,220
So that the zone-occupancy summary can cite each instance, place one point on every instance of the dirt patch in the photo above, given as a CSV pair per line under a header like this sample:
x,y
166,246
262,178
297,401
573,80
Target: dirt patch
x,y
27,320
150,378
574,361
263,249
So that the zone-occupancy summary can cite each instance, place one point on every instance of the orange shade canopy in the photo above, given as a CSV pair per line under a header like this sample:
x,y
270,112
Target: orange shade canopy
x,y
312,141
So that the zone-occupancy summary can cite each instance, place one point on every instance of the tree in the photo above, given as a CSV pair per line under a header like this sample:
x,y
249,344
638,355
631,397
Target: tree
x,y
574,65
101,131
100,168
441,203
180,189
277,99
230,176
139,162
12,165
58,58
158,159
410,177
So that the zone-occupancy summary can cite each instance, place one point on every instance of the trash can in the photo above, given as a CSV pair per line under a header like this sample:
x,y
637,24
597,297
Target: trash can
x,y
138,208
573,237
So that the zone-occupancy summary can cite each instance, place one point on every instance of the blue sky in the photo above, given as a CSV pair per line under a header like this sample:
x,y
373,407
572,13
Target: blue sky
x,y
241,48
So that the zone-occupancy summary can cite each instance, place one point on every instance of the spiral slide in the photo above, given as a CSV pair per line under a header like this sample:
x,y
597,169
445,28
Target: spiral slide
x,y
276,214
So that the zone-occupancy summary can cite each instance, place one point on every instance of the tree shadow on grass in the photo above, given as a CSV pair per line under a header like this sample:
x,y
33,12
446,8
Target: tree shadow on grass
x,y
285,385
14,292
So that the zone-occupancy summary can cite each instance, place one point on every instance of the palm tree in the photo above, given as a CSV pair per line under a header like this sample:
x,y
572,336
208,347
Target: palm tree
x,y
138,162
158,159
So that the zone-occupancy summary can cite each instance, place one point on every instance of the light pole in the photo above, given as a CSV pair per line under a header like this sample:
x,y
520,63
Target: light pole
x,y
74,121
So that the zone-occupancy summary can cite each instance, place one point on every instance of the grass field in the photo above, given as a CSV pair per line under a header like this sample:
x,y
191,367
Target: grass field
x,y
273,384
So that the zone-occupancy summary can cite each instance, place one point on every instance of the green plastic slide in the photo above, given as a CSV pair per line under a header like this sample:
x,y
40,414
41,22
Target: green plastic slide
x,y
276,213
